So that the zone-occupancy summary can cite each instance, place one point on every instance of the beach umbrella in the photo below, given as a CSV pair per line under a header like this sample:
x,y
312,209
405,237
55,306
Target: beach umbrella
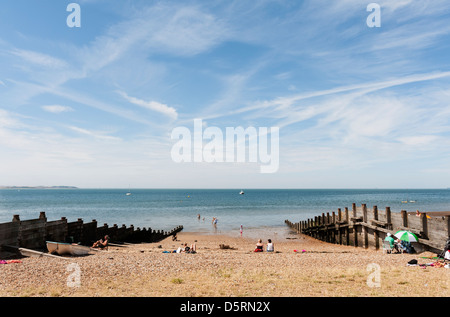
x,y
406,236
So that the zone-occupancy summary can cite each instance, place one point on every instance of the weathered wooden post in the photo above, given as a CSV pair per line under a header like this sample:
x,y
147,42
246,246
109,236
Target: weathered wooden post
x,y
448,225
347,231
376,233
355,233
388,218
316,226
364,228
327,231
404,218
423,217
339,225
323,228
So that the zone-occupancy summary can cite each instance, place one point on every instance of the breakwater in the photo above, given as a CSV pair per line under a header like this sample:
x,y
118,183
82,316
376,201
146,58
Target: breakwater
x,y
34,233
361,227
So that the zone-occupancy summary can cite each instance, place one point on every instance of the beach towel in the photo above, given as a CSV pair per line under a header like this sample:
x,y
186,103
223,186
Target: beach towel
x,y
9,261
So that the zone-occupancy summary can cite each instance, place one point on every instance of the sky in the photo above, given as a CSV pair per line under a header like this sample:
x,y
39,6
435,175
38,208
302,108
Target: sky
x,y
95,106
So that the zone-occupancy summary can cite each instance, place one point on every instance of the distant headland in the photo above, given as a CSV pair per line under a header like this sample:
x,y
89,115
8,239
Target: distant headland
x,y
38,187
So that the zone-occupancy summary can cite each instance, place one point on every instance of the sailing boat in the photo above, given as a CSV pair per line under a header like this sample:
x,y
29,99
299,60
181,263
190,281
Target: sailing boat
x,y
241,193
129,191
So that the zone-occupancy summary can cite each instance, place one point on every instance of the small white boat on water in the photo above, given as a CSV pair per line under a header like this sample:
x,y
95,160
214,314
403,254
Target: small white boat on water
x,y
241,193
62,248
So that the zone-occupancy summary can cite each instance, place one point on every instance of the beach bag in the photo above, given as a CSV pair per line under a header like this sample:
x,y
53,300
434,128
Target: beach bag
x,y
413,262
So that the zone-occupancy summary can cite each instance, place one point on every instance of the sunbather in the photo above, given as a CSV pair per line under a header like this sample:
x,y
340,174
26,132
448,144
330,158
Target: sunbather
x,y
102,243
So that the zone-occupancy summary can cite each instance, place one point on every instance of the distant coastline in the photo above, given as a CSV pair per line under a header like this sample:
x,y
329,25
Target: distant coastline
x,y
38,187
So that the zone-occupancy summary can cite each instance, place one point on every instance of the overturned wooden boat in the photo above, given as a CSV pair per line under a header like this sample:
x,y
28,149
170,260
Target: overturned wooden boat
x,y
62,248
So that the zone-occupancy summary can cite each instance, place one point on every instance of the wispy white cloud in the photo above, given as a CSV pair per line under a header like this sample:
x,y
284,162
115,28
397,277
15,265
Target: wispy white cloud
x,y
39,59
94,134
57,108
151,105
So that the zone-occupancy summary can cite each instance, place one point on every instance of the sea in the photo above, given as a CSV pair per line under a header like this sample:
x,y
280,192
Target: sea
x,y
194,209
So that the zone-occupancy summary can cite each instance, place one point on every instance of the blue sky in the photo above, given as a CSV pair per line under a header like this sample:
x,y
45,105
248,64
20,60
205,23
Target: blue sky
x,y
94,106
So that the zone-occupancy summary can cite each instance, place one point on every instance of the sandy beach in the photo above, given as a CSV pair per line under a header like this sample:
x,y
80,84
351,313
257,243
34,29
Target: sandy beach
x,y
317,269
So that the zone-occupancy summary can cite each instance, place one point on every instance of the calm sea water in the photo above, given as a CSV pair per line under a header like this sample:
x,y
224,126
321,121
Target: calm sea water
x,y
164,209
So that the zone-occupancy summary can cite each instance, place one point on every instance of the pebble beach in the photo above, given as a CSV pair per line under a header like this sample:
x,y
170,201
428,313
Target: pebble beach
x,y
299,267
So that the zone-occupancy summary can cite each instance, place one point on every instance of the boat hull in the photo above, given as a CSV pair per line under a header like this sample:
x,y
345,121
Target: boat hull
x,y
61,248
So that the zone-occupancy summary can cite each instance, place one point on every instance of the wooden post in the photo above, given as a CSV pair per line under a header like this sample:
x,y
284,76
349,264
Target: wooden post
x,y
376,233
347,238
355,233
322,232
404,218
316,224
448,225
339,225
388,218
327,231
333,231
364,228
423,217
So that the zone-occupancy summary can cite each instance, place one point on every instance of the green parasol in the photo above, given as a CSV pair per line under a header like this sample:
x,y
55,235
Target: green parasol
x,y
406,236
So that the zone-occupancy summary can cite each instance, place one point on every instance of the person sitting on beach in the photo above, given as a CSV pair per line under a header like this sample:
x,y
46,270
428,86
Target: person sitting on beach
x,y
270,246
102,243
418,213
391,241
186,249
192,249
399,245
259,246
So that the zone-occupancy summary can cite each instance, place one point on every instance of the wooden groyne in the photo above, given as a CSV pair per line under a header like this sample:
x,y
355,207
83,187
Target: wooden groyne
x,y
34,233
361,227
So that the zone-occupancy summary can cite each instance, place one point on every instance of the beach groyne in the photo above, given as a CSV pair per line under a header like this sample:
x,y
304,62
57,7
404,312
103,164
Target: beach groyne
x,y
361,227
34,233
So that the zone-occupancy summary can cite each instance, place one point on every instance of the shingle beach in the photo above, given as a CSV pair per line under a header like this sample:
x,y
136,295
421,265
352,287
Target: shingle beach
x,y
299,267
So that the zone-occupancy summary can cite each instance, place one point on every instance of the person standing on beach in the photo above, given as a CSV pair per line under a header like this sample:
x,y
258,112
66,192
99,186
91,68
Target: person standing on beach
x,y
242,230
215,223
